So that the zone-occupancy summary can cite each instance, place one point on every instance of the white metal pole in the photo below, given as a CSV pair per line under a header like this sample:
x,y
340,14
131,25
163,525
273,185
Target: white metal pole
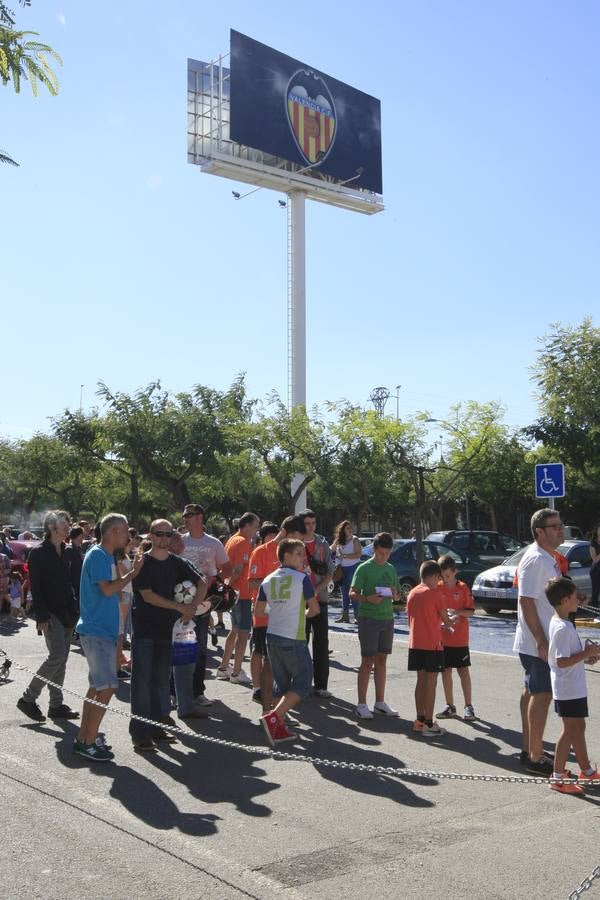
x,y
297,314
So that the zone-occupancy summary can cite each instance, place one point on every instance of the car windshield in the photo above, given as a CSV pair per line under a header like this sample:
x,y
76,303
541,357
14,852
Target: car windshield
x,y
516,557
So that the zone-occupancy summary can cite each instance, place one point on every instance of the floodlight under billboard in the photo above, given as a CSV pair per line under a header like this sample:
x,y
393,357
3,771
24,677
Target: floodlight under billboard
x,y
292,110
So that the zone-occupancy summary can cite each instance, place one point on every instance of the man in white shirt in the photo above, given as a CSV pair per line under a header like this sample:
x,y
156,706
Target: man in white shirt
x,y
207,554
536,568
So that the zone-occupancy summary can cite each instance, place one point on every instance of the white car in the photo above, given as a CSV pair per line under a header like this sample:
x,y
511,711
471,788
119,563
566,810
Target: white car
x,y
494,589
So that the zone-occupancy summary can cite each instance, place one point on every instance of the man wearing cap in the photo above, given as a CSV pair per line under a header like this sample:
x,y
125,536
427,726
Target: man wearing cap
x,y
207,554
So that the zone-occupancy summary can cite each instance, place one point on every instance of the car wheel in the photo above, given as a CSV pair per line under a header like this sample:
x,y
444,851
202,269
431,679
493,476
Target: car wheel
x,y
406,586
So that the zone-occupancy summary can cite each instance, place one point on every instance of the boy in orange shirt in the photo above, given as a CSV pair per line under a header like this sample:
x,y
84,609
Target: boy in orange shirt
x,y
263,561
426,611
458,600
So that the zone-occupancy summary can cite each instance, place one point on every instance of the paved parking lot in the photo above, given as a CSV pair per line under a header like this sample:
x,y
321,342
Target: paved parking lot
x,y
200,817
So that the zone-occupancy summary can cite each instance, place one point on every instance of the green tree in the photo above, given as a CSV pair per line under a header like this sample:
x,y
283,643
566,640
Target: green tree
x,y
23,58
566,375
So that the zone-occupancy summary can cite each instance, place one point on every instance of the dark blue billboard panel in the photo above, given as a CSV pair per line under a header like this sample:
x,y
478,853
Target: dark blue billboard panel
x,y
288,109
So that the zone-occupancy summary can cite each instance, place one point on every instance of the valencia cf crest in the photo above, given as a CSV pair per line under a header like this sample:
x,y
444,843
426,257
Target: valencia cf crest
x,y
311,115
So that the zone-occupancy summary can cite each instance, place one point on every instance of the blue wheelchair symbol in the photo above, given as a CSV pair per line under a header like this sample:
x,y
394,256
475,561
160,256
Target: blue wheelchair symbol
x,y
549,480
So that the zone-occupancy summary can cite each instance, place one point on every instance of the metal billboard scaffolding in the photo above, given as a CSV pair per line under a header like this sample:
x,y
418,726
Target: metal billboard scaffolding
x,y
305,171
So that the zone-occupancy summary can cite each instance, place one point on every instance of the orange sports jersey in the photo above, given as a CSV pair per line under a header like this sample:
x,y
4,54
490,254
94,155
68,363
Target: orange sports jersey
x,y
239,550
458,597
423,608
263,561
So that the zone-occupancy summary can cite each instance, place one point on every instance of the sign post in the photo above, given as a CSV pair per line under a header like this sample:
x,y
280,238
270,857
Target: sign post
x,y
549,482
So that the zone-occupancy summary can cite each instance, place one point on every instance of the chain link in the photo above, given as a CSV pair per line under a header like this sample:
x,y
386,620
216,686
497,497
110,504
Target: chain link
x,y
585,885
402,774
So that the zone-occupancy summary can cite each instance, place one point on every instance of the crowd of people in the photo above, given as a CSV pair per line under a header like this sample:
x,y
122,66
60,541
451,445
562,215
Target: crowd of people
x,y
163,596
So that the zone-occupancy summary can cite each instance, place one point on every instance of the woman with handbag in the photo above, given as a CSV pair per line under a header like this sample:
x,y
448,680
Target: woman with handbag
x,y
346,550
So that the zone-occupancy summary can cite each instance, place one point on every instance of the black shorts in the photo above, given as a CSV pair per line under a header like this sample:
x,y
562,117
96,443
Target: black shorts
x,y
258,640
456,657
430,660
572,709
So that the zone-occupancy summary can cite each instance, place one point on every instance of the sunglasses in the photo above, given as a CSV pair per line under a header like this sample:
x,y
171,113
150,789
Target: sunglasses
x,y
191,515
168,534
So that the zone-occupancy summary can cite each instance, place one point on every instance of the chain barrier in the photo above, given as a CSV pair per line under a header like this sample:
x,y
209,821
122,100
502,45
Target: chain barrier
x,y
585,885
589,608
402,774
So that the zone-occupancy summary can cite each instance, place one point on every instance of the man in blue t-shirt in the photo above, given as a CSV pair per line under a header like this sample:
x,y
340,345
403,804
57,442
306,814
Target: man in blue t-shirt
x,y
98,628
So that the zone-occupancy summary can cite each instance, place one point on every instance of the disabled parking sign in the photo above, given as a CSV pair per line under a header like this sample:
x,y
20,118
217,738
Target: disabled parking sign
x,y
549,480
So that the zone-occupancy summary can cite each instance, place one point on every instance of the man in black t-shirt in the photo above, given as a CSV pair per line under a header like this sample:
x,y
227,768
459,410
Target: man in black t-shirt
x,y
154,615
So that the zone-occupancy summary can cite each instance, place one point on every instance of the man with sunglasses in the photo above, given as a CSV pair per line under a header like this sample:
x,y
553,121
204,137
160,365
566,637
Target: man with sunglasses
x,y
538,565
154,615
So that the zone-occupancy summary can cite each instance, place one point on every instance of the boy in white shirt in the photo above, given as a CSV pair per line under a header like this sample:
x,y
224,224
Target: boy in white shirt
x,y
567,658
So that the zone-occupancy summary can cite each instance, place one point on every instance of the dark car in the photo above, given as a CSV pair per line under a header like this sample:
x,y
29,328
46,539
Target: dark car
x,y
485,547
404,559
494,589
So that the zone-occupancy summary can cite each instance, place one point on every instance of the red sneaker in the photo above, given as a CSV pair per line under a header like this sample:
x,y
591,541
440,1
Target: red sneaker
x,y
594,778
270,722
284,734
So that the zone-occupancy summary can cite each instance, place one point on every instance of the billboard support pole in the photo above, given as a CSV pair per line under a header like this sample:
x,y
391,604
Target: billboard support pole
x,y
297,315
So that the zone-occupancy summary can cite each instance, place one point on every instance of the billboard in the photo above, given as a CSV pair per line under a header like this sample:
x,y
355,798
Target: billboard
x,y
288,109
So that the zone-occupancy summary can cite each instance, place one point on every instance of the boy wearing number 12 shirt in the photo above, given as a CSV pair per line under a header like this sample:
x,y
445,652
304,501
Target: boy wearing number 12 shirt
x,y
284,595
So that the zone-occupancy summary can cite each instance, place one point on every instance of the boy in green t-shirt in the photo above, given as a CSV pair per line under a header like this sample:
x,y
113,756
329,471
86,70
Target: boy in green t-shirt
x,y
375,587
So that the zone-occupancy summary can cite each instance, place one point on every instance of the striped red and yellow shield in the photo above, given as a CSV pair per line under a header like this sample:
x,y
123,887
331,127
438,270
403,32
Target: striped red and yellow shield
x,y
313,126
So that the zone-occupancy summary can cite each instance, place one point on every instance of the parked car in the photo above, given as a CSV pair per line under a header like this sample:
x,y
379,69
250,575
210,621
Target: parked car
x,y
486,547
494,590
404,559
21,550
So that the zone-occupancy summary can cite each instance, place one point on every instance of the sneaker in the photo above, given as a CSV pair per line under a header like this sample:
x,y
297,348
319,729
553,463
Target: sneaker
x,y
523,757
284,734
100,742
448,712
343,618
469,713
240,678
62,712
384,710
432,730
92,752
563,788
592,778
257,695
169,720
164,736
323,693
144,745
123,673
224,674
214,638
270,723
362,711
31,709
202,700
418,726
543,768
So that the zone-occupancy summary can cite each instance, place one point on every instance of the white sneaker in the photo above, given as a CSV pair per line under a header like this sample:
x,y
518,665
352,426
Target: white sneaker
x,y
201,700
432,730
384,710
240,678
363,711
224,674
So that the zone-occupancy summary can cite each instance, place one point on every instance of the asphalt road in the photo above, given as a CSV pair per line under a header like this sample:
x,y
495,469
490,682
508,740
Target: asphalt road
x,y
198,819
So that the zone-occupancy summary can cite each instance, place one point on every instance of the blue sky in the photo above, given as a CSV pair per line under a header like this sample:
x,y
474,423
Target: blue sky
x,y
121,262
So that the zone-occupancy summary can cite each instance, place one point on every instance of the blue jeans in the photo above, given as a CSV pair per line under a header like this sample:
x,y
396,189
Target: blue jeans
x,y
291,664
345,586
150,673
